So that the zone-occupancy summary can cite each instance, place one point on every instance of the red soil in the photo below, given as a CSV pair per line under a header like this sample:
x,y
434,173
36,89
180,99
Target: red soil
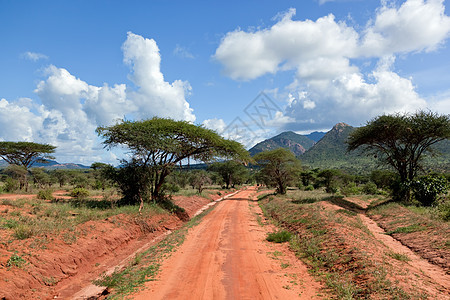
x,y
226,257
61,270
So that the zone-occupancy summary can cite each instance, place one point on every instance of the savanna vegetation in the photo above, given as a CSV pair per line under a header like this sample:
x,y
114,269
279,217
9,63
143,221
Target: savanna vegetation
x,y
309,204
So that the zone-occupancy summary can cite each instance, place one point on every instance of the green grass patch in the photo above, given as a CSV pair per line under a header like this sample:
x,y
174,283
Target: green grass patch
x,y
22,232
398,256
279,236
15,261
346,212
407,229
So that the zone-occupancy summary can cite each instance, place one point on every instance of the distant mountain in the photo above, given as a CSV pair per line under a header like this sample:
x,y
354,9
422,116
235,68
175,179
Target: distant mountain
x,y
315,136
296,143
331,152
51,165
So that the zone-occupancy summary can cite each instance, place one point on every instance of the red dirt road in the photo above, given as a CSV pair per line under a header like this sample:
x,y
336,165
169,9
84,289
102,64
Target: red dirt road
x,y
226,257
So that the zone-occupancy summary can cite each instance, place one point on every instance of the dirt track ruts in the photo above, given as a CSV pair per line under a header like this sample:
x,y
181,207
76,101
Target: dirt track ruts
x,y
226,257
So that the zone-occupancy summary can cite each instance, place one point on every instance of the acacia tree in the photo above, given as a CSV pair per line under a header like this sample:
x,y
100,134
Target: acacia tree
x,y
199,179
232,172
25,154
402,141
159,144
279,167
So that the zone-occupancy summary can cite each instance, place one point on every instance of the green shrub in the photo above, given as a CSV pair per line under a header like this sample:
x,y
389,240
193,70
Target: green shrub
x,y
370,188
45,194
332,189
350,189
279,236
11,185
16,261
171,188
444,209
22,232
309,187
79,193
427,188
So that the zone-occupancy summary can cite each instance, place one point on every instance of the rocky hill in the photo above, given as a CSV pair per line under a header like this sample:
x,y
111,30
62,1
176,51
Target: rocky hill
x,y
296,143
331,152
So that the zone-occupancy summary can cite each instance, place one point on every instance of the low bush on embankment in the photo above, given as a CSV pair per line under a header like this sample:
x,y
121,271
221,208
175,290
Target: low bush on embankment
x,y
341,251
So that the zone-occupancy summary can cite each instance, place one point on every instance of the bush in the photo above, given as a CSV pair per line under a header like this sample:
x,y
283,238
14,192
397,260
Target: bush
x,y
171,188
383,178
79,193
309,187
45,194
350,189
332,189
444,209
23,232
279,236
427,188
370,188
11,185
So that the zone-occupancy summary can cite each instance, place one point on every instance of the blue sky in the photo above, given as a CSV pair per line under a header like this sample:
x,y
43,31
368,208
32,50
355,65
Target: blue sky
x,y
70,66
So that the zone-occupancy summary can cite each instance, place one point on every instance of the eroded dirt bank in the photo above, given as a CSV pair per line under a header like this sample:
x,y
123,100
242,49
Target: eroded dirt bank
x,y
59,269
226,257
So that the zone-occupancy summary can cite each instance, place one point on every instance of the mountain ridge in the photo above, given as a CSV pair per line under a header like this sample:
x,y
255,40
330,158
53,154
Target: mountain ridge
x,y
296,143
51,165
330,152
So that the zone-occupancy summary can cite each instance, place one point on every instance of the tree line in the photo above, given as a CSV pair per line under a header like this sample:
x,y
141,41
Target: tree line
x,y
158,147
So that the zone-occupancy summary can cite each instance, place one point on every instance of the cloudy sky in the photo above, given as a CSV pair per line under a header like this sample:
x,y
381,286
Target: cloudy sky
x,y
248,69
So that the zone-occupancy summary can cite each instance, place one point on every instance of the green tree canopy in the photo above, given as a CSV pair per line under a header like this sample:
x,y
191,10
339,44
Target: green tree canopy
x,y
232,172
160,144
279,167
25,153
401,141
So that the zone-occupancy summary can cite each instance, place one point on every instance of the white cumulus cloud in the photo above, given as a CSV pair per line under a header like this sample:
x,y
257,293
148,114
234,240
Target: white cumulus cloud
x,y
288,43
155,96
328,86
72,109
218,125
417,25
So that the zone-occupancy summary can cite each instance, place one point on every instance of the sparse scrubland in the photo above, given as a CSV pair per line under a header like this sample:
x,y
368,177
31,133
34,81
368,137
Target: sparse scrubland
x,y
46,243
331,235
383,234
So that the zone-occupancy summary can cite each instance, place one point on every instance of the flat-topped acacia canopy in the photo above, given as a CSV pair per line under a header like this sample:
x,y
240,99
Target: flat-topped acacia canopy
x,y
25,153
158,144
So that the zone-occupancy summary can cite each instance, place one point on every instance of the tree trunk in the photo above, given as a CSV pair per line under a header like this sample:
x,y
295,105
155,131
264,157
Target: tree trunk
x,y
156,194
141,205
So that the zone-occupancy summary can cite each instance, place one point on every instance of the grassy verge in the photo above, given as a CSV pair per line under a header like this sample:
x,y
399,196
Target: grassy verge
x,y
145,266
419,228
28,218
336,246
